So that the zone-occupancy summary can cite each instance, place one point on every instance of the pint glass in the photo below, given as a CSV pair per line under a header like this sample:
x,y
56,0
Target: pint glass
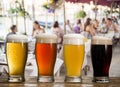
x,y
46,50
16,54
73,56
101,53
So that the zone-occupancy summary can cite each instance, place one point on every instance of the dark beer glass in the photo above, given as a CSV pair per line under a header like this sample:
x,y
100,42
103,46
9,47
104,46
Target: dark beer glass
x,y
101,53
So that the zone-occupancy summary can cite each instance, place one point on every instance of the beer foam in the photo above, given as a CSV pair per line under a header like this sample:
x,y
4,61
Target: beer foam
x,y
46,38
73,39
101,40
17,38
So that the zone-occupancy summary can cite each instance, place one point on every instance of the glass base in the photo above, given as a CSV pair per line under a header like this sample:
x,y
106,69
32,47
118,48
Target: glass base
x,y
73,79
45,79
101,79
16,78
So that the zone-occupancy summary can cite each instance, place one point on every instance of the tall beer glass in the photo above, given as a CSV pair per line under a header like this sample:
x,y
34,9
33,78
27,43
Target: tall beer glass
x,y
73,56
101,52
16,54
46,50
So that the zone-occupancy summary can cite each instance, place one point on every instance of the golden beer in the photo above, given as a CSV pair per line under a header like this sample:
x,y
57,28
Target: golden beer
x,y
73,56
16,53
45,51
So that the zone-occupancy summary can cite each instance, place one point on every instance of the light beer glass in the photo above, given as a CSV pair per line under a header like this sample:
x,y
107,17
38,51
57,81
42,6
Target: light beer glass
x,y
46,50
16,54
73,51
101,53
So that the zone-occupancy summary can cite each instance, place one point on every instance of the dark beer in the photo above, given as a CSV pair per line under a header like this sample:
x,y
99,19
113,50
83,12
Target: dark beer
x,y
101,59
101,53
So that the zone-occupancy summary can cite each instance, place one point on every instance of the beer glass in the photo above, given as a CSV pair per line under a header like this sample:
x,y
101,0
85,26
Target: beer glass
x,y
45,51
73,50
16,54
101,53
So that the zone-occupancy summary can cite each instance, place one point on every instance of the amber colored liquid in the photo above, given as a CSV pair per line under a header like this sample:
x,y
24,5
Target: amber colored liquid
x,y
73,58
16,57
45,57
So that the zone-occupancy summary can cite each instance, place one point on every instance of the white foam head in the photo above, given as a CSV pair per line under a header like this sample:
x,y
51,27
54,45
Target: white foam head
x,y
100,40
46,38
73,39
17,38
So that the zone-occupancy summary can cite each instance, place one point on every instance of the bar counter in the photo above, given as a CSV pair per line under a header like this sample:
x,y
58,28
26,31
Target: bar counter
x,y
59,82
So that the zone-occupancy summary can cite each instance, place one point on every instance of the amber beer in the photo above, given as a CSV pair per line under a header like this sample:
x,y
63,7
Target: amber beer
x,y
46,50
101,52
73,56
16,54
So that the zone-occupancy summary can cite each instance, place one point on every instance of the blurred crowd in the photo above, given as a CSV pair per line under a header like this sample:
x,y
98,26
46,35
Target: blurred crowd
x,y
88,28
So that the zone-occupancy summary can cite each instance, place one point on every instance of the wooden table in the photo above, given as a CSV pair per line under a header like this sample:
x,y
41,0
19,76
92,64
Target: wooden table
x,y
59,82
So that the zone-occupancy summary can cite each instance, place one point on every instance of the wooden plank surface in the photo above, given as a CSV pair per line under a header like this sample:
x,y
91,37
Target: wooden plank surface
x,y
59,82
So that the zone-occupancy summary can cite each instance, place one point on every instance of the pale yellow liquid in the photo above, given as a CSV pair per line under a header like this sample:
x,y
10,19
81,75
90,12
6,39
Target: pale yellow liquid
x,y
16,57
73,57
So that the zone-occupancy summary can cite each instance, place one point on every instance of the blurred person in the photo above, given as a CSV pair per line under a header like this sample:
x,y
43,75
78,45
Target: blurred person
x,y
113,27
110,25
79,23
37,29
56,29
114,19
13,29
96,25
68,27
88,33
103,21
103,26
88,29
78,27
